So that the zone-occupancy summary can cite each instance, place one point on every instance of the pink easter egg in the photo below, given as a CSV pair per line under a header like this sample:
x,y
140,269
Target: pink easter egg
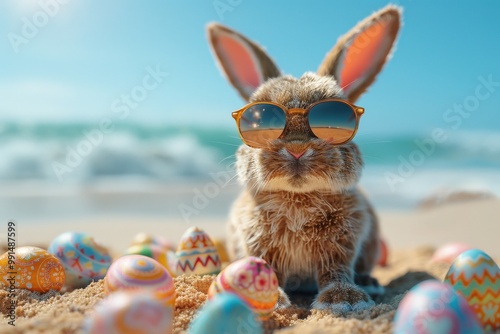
x,y
251,279
127,313
449,252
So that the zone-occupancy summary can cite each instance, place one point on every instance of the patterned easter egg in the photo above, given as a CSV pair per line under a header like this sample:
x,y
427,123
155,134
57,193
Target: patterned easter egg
x,y
477,277
139,272
251,279
433,307
129,313
147,239
83,259
155,252
31,268
383,253
449,252
196,254
237,317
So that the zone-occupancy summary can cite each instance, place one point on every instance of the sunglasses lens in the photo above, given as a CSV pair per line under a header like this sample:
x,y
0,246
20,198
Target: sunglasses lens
x,y
334,121
262,123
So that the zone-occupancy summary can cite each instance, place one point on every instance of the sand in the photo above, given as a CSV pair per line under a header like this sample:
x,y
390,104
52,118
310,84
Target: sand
x,y
412,237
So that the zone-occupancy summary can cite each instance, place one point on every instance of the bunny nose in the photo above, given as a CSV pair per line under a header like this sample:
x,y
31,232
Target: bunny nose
x,y
295,154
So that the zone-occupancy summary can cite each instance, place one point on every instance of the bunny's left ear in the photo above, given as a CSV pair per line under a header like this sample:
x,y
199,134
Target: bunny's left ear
x,y
359,55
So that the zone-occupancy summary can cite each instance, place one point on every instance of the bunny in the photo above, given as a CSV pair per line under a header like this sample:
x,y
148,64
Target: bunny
x,y
301,210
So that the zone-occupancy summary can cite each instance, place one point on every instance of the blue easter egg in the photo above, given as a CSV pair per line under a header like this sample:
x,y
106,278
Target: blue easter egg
x,y
435,308
83,259
225,313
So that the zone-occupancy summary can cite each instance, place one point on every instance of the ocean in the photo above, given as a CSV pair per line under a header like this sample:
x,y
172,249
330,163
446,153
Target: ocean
x,y
68,170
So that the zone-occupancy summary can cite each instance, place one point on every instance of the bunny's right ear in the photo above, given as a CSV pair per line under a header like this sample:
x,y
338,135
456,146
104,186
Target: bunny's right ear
x,y
245,64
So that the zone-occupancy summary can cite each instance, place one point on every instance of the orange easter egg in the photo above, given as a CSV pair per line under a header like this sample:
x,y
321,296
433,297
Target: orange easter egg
x,y
31,268
221,249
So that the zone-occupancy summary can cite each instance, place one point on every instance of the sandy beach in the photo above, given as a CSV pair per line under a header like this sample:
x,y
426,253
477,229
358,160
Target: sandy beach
x,y
412,237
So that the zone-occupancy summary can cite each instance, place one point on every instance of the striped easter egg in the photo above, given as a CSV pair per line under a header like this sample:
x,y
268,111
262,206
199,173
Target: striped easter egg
x,y
139,272
477,277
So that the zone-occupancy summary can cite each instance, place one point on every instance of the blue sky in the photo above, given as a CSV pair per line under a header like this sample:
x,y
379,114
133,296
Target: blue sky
x,y
91,52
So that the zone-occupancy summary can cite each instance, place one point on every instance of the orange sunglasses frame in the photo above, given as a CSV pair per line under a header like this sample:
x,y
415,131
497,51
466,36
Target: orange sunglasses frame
x,y
358,112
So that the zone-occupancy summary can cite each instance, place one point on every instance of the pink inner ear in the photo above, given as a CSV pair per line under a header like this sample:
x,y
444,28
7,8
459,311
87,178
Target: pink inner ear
x,y
365,53
241,65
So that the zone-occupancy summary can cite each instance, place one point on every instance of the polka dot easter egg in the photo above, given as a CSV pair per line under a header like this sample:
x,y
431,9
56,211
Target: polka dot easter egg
x,y
129,313
196,254
138,272
83,259
33,268
251,279
477,277
237,317
435,308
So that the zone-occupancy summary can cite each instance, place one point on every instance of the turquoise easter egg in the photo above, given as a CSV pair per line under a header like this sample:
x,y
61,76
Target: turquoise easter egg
x,y
476,276
433,307
84,260
225,313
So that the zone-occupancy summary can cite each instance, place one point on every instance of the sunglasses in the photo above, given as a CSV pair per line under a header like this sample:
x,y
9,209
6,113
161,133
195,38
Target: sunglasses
x,y
333,120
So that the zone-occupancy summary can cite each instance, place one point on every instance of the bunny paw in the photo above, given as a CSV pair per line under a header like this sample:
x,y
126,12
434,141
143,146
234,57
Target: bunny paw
x,y
341,298
283,300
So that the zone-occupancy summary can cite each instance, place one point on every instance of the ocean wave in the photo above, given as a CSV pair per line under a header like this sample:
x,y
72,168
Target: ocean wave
x,y
165,153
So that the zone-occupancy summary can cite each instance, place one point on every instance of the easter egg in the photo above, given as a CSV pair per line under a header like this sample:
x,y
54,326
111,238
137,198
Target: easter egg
x,y
83,259
139,272
221,249
147,239
31,268
477,277
155,252
251,279
235,315
196,254
449,252
435,308
383,253
129,313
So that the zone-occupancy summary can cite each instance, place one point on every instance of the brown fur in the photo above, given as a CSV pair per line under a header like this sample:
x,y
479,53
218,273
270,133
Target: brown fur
x,y
305,216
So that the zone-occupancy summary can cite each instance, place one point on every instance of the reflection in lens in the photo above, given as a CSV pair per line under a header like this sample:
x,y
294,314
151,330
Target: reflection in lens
x,y
262,123
334,121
